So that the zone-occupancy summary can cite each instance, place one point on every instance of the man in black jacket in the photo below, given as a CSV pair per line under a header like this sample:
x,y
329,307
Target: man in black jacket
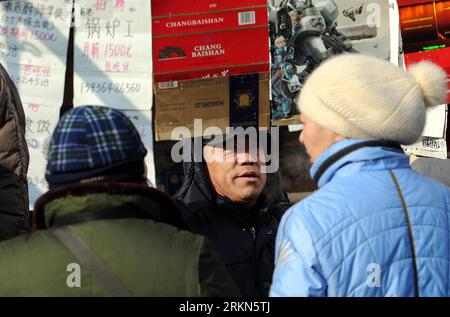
x,y
228,198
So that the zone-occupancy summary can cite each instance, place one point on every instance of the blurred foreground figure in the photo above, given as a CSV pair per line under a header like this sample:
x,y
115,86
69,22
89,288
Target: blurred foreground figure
x,y
104,231
14,158
375,227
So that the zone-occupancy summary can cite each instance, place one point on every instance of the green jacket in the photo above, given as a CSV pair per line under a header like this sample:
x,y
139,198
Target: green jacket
x,y
136,231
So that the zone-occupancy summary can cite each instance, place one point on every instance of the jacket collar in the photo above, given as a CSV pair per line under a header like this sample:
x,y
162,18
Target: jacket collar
x,y
246,215
374,157
106,199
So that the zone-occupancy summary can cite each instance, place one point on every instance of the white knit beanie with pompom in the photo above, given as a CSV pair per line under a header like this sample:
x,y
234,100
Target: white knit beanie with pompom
x,y
363,97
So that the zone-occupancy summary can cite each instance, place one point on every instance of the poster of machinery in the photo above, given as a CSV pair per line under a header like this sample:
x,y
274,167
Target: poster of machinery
x,y
304,33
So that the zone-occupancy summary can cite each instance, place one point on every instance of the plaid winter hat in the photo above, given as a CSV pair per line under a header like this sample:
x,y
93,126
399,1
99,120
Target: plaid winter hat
x,y
90,141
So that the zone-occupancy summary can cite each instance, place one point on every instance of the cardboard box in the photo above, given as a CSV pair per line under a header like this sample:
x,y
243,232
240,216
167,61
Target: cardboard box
x,y
210,62
223,102
209,38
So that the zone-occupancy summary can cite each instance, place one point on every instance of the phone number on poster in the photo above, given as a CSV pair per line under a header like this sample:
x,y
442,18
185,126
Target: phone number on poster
x,y
30,81
109,87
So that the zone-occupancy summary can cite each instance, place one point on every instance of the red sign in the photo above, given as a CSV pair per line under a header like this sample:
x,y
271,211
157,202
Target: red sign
x,y
425,29
204,38
190,7
207,22
404,3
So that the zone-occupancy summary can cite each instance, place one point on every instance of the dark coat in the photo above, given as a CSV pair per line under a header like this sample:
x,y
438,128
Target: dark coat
x,y
244,239
14,158
136,231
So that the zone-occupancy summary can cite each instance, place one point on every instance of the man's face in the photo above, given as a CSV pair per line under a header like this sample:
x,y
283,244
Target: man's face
x,y
315,138
237,175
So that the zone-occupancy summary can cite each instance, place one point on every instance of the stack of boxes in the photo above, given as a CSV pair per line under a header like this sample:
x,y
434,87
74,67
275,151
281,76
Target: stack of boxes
x,y
210,62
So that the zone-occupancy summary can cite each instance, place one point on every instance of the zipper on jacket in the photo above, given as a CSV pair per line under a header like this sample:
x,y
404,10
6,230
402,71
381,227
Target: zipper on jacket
x,y
253,231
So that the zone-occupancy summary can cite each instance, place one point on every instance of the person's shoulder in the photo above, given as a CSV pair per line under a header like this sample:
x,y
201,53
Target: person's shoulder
x,y
143,229
317,212
302,211
329,195
28,248
197,214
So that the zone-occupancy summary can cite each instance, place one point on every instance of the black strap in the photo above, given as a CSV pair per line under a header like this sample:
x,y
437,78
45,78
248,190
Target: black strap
x,y
410,234
340,154
90,260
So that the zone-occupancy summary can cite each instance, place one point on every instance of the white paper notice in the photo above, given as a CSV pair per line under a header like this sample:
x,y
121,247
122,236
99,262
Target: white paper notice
x,y
33,49
367,24
113,54
295,127
429,147
40,123
395,37
142,120
436,122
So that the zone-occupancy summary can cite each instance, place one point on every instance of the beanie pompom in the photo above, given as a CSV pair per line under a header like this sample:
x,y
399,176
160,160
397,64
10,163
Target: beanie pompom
x,y
432,80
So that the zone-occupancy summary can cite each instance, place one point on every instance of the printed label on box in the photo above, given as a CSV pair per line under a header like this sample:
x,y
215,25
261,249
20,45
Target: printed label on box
x,y
208,39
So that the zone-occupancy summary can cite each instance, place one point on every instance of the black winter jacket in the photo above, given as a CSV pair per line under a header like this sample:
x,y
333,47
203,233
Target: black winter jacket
x,y
14,158
243,238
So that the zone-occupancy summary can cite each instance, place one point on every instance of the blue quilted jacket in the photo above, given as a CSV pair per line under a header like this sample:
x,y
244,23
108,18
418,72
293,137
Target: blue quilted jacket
x,y
374,228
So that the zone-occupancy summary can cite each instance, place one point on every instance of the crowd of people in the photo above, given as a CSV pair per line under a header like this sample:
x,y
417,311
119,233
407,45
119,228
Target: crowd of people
x,y
375,227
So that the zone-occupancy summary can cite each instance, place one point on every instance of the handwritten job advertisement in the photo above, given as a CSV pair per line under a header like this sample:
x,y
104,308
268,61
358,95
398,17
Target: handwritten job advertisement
x,y
113,54
33,49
